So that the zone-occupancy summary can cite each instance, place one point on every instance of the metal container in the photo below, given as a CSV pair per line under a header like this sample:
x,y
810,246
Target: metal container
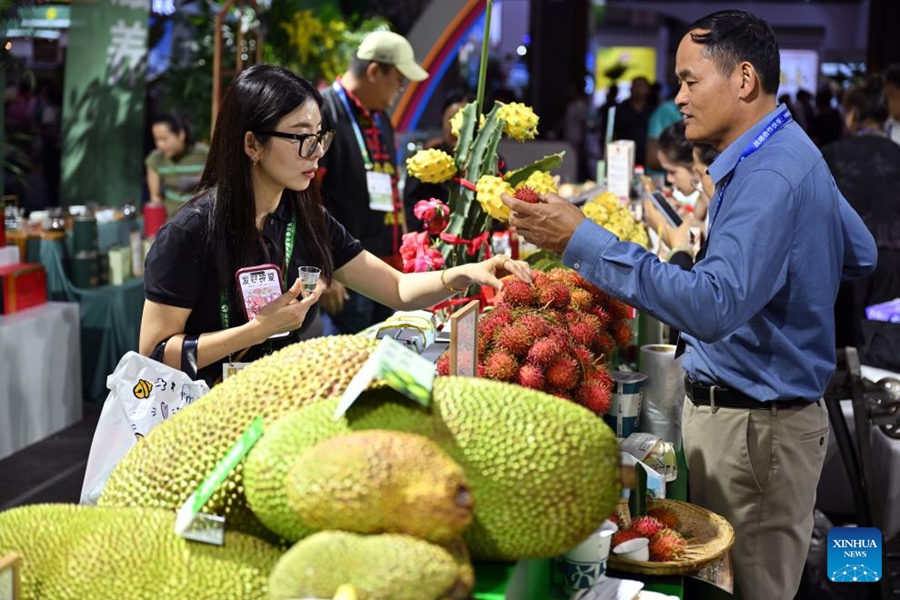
x,y
84,234
85,270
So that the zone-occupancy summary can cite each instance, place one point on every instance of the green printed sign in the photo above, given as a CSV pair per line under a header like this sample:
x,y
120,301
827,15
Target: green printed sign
x,y
400,367
191,507
103,104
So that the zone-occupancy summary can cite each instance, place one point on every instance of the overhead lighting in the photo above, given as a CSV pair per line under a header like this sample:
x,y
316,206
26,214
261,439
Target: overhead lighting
x,y
521,50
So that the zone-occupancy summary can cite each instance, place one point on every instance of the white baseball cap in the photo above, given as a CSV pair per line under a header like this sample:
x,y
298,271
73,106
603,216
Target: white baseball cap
x,y
393,49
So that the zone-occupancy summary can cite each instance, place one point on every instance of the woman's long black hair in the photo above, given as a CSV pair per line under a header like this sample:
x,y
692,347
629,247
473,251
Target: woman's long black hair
x,y
256,101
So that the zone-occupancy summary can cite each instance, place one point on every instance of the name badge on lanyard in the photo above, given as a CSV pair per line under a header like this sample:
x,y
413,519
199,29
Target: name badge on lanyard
x,y
381,194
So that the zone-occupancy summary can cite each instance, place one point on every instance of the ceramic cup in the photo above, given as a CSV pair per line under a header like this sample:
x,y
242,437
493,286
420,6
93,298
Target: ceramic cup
x,y
636,549
584,564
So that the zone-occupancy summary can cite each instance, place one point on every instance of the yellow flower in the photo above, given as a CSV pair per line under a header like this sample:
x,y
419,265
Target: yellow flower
x,y
431,166
540,181
488,190
519,121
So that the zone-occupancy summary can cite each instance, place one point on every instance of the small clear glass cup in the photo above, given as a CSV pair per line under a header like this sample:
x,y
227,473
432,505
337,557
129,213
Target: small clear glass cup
x,y
309,276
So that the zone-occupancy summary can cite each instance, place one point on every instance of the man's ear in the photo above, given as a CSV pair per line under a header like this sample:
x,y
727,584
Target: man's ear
x,y
373,71
751,86
252,147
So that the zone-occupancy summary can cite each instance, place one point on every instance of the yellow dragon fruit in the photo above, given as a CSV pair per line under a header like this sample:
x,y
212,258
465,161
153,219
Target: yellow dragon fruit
x,y
431,166
540,181
520,122
457,120
488,190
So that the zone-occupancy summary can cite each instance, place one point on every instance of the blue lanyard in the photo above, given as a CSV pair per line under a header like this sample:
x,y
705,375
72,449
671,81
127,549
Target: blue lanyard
x,y
761,138
342,94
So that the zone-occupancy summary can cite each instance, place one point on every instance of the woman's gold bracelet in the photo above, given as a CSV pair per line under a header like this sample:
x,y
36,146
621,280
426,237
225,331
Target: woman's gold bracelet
x,y
449,287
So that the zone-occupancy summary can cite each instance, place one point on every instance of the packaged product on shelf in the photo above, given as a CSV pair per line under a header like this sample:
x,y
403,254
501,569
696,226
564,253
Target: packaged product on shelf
x,y
22,286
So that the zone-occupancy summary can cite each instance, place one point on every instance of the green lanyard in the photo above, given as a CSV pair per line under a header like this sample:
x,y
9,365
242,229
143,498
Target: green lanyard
x,y
289,236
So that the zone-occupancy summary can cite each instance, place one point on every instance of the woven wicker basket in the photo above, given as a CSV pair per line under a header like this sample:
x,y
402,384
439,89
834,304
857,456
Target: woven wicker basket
x,y
711,537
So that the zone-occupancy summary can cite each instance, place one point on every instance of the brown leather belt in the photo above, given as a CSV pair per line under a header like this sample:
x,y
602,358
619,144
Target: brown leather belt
x,y
706,395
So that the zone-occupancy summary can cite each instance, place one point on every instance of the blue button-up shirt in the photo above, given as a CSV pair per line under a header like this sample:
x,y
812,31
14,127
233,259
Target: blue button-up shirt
x,y
757,313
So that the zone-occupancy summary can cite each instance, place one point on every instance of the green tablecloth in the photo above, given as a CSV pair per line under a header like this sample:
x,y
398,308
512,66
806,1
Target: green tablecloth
x,y
110,315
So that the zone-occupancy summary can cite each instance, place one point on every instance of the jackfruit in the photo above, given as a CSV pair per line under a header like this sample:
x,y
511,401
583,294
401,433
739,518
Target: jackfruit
x,y
174,458
77,552
381,482
543,470
380,567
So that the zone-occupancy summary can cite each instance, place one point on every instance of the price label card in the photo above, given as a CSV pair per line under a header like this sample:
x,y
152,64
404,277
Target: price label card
x,y
401,368
9,577
464,340
381,194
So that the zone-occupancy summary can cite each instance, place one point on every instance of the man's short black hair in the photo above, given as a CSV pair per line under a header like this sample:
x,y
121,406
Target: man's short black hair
x,y
734,36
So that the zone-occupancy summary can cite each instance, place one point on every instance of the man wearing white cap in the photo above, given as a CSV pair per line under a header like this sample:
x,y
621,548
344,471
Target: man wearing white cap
x,y
358,175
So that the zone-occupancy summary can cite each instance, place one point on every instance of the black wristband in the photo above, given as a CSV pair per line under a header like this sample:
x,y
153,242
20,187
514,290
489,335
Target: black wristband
x,y
189,356
159,352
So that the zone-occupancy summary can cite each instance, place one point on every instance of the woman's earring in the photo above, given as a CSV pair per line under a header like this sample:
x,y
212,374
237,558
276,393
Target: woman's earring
x,y
255,161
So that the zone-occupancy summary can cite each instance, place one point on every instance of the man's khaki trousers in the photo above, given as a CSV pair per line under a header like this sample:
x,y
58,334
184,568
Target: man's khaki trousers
x,y
758,469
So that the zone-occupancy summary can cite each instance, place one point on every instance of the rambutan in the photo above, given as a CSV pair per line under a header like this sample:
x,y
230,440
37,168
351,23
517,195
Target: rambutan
x,y
594,398
530,376
564,373
534,324
647,526
443,364
606,345
664,515
580,299
584,356
501,365
666,545
527,194
553,295
623,535
542,352
493,320
621,332
514,339
582,333
539,279
517,293
598,376
603,317
618,309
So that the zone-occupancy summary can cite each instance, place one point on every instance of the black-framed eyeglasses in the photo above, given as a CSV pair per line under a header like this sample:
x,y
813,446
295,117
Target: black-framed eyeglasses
x,y
308,141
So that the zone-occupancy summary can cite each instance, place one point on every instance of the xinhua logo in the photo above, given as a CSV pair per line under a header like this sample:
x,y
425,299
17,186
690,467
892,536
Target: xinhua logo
x,y
854,554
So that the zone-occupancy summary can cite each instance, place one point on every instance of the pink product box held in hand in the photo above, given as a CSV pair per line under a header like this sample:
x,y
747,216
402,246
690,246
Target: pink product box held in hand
x,y
886,311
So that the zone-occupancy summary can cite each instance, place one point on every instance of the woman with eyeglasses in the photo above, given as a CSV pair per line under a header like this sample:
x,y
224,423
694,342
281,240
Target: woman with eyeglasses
x,y
255,206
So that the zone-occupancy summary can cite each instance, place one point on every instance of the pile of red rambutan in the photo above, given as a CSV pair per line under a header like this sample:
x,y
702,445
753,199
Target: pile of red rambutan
x,y
555,335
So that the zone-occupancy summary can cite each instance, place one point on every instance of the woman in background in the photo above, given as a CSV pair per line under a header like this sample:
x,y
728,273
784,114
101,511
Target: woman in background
x,y
175,166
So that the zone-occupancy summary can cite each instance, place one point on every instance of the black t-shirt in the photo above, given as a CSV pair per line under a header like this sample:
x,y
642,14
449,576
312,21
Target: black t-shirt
x,y
180,271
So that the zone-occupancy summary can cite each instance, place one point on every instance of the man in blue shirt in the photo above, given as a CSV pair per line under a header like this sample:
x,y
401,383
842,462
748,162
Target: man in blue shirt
x,y
757,308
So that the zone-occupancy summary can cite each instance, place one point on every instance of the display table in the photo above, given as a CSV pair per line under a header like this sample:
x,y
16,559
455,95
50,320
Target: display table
x,y
40,374
110,316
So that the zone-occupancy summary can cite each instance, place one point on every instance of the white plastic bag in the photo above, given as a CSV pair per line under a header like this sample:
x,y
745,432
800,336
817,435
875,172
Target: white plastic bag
x,y
142,394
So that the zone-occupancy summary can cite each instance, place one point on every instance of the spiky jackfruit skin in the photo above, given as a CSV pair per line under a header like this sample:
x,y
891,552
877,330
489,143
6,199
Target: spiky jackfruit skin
x,y
380,567
381,481
78,552
168,465
544,471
